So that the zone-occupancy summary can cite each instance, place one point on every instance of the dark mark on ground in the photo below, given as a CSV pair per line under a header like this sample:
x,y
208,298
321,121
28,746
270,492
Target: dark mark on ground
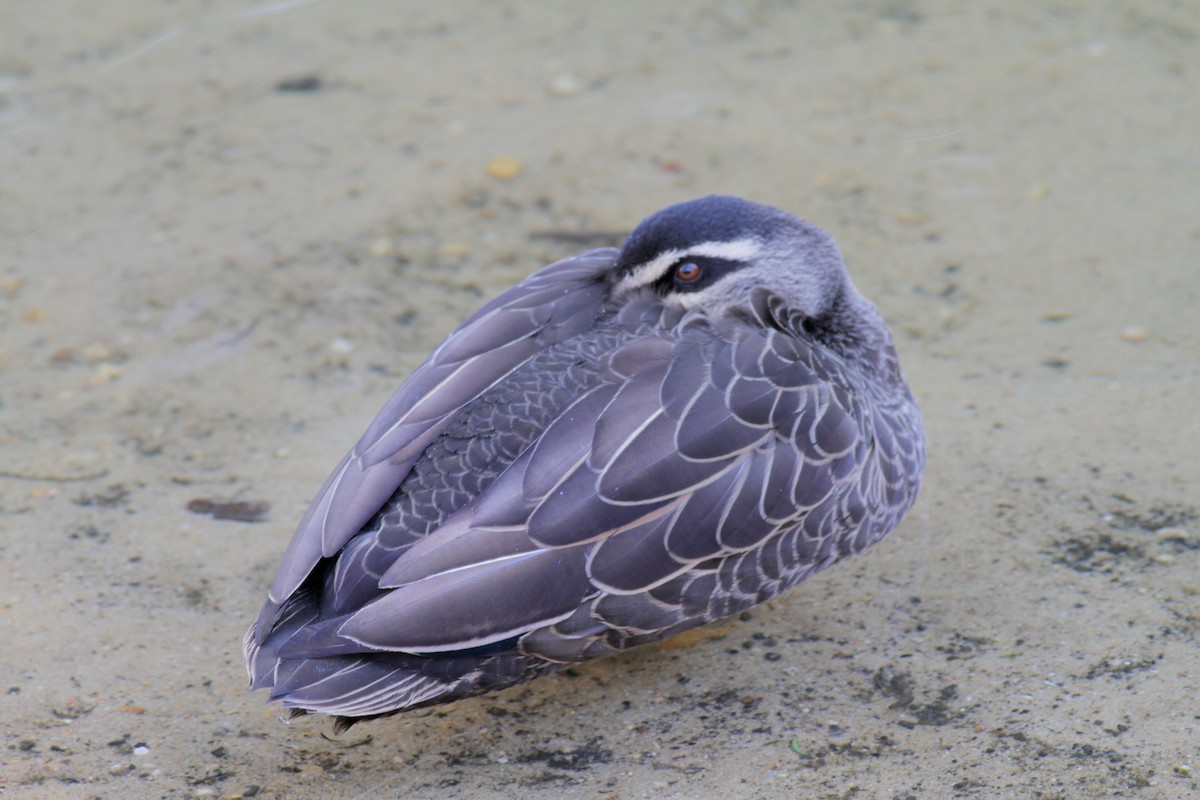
x,y
962,646
1094,552
816,757
1087,752
894,684
122,745
465,758
1117,667
548,777
74,709
938,712
236,510
576,760
212,774
301,83
90,532
1154,519
112,497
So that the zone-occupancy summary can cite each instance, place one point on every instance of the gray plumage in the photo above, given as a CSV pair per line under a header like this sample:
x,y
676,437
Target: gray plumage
x,y
625,445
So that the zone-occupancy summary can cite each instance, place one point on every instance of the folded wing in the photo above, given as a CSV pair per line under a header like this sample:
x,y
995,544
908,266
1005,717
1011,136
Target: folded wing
x,y
693,447
553,304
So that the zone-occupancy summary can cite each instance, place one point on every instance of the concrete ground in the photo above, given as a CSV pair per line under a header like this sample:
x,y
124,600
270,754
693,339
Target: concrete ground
x,y
229,229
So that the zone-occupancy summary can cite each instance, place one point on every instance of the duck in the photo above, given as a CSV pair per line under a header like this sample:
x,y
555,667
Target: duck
x,y
628,444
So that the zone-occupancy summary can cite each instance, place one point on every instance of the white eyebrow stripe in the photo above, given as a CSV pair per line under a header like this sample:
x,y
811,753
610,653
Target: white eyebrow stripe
x,y
738,250
690,300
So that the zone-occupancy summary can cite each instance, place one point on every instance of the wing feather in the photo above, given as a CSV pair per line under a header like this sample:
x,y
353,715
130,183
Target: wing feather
x,y
635,560
695,445
472,606
555,303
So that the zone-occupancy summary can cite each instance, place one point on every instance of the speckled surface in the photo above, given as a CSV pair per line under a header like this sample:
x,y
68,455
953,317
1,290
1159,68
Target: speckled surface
x,y
214,269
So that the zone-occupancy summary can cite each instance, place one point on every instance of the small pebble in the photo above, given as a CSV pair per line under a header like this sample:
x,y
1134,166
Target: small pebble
x,y
104,373
97,352
1134,333
382,247
504,168
565,84
1172,533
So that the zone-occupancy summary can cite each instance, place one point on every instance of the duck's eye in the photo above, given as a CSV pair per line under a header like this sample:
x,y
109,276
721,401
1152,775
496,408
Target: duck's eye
x,y
688,272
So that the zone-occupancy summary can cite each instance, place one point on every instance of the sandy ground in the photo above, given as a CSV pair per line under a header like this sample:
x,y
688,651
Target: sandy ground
x,y
228,230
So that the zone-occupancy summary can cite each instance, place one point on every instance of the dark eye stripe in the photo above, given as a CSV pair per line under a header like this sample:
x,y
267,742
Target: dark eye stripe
x,y
692,273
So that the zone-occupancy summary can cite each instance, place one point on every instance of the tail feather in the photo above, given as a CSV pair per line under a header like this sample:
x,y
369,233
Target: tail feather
x,y
372,683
